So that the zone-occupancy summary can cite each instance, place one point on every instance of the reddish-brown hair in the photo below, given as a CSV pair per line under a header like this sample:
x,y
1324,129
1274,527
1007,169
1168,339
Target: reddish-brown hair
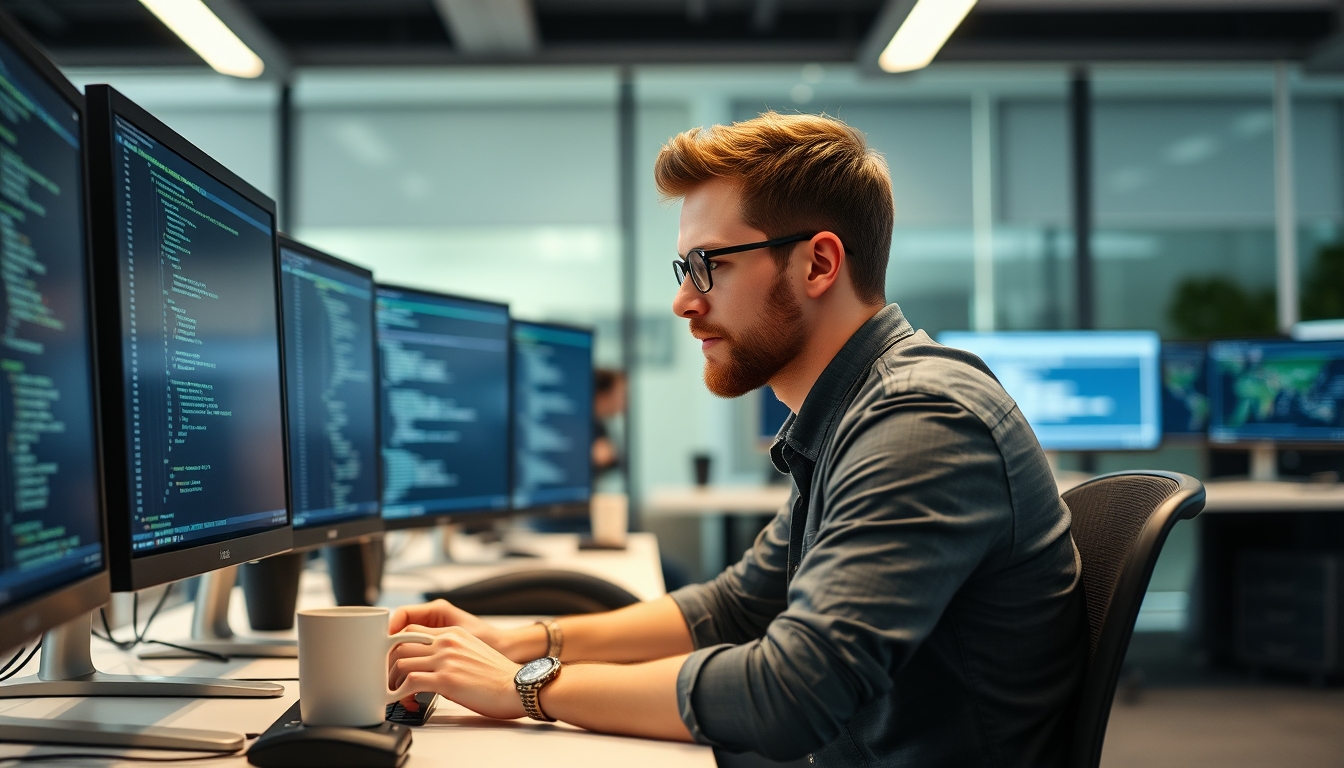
x,y
797,173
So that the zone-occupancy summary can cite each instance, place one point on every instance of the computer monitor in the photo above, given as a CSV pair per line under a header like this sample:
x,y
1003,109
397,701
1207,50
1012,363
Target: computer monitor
x,y
53,559
53,564
1185,391
553,418
1079,390
331,373
1276,391
187,291
444,365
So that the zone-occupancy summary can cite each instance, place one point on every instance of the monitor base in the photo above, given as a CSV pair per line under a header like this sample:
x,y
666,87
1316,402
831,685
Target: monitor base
x,y
67,670
89,734
210,630
102,684
239,647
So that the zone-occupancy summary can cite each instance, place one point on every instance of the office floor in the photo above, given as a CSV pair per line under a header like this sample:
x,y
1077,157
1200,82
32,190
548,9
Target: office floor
x,y
1183,715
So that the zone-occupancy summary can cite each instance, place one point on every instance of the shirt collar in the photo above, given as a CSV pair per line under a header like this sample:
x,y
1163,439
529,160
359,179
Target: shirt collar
x,y
805,431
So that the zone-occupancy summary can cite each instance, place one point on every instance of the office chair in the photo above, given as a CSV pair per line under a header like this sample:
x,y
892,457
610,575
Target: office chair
x,y
1120,522
537,593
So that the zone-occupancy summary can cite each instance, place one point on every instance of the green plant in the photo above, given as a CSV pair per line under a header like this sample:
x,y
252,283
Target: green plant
x,y
1323,289
1216,307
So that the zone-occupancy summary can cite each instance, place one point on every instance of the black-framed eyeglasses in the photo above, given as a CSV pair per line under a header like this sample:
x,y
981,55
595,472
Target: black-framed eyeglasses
x,y
699,261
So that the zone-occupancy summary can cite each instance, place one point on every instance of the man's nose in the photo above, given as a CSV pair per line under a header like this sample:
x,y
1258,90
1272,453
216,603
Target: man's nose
x,y
689,301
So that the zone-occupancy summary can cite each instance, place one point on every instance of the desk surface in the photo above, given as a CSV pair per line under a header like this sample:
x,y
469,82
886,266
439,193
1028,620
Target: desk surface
x,y
454,735
1223,496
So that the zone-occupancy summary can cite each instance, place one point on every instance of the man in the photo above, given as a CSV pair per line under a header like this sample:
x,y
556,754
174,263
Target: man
x,y
917,602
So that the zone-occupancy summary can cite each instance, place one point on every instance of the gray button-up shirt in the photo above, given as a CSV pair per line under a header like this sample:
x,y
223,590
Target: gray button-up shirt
x,y
918,602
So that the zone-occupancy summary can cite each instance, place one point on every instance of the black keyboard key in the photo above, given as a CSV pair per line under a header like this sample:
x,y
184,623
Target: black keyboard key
x,y
397,712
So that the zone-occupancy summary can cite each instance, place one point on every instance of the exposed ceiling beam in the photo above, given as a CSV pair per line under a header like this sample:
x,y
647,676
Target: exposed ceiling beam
x,y
237,17
490,27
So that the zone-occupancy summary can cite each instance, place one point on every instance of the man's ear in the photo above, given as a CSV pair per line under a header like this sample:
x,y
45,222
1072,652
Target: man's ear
x,y
825,256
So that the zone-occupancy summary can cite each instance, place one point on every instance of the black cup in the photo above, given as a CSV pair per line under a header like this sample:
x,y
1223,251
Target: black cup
x,y
271,590
703,462
356,572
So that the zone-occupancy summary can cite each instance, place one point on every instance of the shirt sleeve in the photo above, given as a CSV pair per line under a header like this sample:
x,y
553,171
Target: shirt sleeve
x,y
916,498
738,604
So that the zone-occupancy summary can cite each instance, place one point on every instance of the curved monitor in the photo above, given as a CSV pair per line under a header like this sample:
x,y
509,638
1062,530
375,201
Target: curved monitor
x,y
445,406
1079,390
1276,391
331,375
52,560
552,417
190,350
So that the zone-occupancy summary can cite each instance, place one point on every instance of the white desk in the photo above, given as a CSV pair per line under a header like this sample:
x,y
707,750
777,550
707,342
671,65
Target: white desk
x,y
454,736
715,505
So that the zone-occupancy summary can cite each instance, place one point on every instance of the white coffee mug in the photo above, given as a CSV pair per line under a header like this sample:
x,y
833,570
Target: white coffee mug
x,y
609,514
343,655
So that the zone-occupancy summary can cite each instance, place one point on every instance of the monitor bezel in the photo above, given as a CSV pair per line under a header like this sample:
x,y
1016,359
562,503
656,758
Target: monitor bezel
x,y
23,620
129,572
1243,444
359,528
563,509
458,515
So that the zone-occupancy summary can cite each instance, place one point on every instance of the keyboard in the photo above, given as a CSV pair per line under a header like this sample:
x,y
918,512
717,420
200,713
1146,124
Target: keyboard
x,y
397,712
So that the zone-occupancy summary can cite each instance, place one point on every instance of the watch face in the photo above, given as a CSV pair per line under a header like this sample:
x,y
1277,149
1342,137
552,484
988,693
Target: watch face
x,y
535,671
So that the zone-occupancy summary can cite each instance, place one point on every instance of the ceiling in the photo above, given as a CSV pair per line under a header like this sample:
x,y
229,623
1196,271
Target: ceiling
x,y
316,33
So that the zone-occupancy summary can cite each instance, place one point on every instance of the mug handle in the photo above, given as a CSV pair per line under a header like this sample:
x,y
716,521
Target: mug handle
x,y
392,642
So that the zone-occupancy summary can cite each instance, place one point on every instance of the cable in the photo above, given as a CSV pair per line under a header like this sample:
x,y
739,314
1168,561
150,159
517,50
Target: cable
x,y
138,635
12,672
10,663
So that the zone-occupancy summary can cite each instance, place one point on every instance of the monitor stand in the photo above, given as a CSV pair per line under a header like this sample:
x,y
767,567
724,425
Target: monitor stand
x,y
210,630
1265,463
67,670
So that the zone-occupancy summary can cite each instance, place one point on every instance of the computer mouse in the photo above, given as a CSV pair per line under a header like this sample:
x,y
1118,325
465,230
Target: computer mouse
x,y
290,744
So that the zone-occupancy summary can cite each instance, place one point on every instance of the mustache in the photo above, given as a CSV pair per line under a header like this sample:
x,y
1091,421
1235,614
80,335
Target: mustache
x,y
701,328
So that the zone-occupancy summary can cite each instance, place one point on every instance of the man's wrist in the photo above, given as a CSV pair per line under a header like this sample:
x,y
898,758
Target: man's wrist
x,y
523,644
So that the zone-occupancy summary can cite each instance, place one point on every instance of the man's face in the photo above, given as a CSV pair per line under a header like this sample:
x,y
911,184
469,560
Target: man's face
x,y
750,324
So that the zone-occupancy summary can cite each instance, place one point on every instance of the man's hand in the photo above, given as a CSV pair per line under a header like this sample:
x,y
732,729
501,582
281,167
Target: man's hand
x,y
459,667
521,644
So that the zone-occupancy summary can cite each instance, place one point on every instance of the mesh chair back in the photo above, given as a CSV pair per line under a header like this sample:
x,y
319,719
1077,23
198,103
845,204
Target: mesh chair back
x,y
1120,522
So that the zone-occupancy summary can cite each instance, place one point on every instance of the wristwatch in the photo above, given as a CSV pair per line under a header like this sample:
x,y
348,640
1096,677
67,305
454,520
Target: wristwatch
x,y
529,682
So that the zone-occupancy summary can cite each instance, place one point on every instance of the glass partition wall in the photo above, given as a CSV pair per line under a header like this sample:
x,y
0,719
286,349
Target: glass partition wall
x,y
505,184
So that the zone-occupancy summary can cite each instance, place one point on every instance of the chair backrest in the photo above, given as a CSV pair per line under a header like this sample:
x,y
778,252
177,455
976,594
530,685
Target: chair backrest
x,y
1120,522
542,592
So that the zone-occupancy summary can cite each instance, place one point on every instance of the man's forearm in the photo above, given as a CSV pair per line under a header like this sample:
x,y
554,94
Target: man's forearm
x,y
642,632
625,699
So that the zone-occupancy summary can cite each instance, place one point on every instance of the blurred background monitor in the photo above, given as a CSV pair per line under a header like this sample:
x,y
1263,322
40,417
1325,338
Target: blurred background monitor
x,y
773,413
1079,390
1279,391
52,562
444,365
553,418
331,369
1185,390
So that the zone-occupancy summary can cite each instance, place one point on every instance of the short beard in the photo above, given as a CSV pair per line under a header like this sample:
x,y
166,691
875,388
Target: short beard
x,y
762,350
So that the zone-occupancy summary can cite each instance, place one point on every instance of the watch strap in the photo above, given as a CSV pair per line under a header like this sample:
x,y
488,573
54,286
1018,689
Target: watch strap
x,y
555,639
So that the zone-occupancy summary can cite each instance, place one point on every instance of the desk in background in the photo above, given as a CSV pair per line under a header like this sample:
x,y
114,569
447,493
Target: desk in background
x,y
454,736
716,506
1242,516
